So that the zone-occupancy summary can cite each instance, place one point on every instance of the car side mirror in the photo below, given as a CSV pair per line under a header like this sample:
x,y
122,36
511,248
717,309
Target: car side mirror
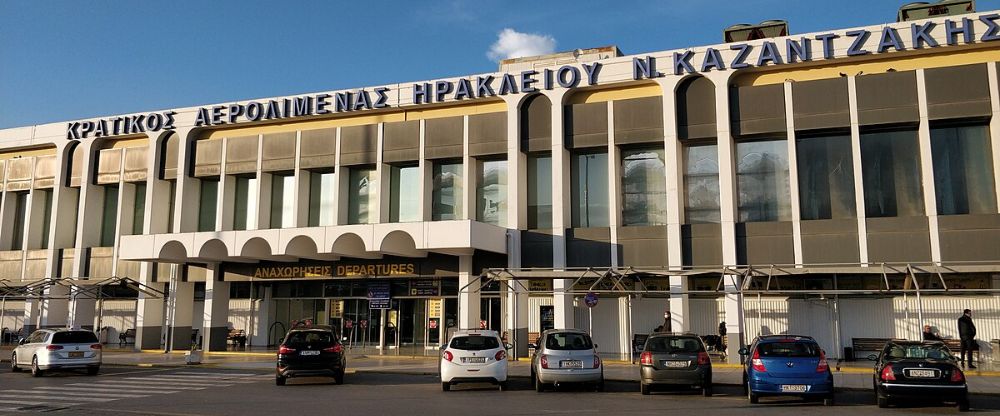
x,y
872,357
743,351
443,347
507,346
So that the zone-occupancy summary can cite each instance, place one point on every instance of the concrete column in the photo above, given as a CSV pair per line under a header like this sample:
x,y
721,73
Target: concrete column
x,y
517,208
264,186
859,184
302,187
150,320
793,174
727,168
341,186
927,163
678,304
188,189
426,173
54,312
994,124
469,179
181,308
384,173
149,317
469,294
564,315
261,318
614,185
82,311
216,312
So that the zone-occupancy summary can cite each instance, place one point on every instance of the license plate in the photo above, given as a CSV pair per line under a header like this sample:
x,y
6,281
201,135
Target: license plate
x,y
793,388
571,364
474,360
76,355
922,374
676,364
309,353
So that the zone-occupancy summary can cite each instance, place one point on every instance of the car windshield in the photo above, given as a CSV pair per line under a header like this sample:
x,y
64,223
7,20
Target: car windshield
x,y
670,345
309,338
475,343
568,341
937,352
74,337
789,349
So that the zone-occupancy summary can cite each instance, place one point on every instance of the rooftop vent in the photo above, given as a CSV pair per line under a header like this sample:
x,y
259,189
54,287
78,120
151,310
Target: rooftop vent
x,y
924,10
767,29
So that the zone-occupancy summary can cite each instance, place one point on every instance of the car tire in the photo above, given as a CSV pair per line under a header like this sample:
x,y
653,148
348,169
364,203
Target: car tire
x,y
754,399
35,371
92,371
445,386
644,389
13,364
539,386
599,387
279,381
883,402
503,386
963,405
828,401
706,391
339,377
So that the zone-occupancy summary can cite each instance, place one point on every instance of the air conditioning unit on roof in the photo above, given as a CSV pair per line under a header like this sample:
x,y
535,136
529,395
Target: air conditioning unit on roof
x,y
925,10
744,32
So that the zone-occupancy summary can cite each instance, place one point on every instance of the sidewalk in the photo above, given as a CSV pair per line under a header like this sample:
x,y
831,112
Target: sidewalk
x,y
848,375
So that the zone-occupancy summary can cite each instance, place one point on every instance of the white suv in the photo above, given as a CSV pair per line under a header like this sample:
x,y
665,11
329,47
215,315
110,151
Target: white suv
x,y
474,356
52,349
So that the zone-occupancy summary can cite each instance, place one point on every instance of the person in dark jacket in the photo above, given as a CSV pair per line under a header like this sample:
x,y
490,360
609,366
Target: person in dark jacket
x,y
967,335
929,334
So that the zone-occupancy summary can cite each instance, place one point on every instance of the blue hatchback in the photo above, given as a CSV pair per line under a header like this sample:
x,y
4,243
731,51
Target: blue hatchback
x,y
787,365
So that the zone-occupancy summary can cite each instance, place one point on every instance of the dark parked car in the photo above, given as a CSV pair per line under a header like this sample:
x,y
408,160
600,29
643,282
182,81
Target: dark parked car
x,y
787,365
915,370
675,359
310,352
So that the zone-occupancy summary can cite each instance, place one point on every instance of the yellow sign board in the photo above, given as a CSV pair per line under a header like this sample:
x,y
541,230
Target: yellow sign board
x,y
435,308
336,309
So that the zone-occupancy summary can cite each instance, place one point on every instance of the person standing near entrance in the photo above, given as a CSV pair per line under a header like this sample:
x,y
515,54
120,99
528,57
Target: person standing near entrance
x,y
967,335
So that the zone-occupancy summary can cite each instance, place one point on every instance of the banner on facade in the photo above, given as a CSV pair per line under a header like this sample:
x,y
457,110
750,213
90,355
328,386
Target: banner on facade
x,y
378,295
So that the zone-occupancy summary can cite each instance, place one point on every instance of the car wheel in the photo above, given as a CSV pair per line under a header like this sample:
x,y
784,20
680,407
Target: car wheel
x,y
13,364
539,386
754,399
600,386
746,384
339,377
92,371
706,391
883,402
644,389
503,386
445,386
35,371
279,381
963,405
828,401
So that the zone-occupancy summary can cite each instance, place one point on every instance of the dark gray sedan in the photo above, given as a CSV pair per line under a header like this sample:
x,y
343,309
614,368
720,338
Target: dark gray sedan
x,y
675,359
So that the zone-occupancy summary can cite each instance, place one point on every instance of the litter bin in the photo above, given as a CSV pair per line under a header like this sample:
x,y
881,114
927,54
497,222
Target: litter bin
x,y
848,353
995,350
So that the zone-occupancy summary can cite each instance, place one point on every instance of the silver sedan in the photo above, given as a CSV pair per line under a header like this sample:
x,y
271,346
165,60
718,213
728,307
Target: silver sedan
x,y
564,356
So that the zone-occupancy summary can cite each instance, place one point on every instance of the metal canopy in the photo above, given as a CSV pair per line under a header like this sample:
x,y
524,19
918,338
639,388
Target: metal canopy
x,y
79,288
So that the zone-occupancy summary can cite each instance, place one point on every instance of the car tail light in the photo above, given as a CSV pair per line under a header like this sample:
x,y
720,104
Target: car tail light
x,y
957,376
500,355
447,356
54,347
703,358
95,346
544,360
646,358
597,362
285,350
823,366
336,348
756,362
887,374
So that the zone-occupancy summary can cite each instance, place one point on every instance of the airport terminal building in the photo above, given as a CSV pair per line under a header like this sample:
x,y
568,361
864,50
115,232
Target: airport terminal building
x,y
840,184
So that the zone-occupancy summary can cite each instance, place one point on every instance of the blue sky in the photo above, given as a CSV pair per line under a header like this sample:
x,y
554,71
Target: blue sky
x,y
62,60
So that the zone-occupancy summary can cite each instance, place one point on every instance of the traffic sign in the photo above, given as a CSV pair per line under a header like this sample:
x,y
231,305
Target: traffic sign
x,y
590,299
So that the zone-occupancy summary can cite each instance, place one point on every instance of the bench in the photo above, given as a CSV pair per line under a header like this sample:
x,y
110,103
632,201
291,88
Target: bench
x,y
867,345
237,337
955,346
124,336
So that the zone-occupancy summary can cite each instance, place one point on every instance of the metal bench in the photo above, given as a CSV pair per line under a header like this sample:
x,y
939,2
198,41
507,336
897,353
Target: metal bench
x,y
237,337
124,336
867,345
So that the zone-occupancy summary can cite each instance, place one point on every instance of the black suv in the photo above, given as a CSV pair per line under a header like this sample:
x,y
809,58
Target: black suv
x,y
311,351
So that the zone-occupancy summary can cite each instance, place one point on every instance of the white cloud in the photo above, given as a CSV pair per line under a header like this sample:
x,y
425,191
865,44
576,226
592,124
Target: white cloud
x,y
513,44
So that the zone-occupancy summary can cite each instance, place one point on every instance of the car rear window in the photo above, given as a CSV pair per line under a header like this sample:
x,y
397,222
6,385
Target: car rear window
x,y
938,352
310,338
671,345
475,343
568,341
74,337
789,349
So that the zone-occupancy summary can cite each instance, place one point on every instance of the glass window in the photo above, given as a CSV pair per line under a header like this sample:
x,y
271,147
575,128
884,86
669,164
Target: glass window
x,y
46,216
890,171
491,192
589,190
74,337
245,202
170,207
674,345
447,195
206,204
282,198
405,202
110,216
322,200
826,177
139,209
644,187
963,170
20,219
762,186
539,191
475,343
789,349
701,184
568,341
362,200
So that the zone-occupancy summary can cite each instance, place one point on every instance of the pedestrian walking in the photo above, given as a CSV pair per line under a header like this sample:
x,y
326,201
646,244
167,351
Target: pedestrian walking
x,y
722,336
967,336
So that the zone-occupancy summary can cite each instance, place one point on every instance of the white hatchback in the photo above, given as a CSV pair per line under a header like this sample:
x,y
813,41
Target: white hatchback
x,y
474,356
57,349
